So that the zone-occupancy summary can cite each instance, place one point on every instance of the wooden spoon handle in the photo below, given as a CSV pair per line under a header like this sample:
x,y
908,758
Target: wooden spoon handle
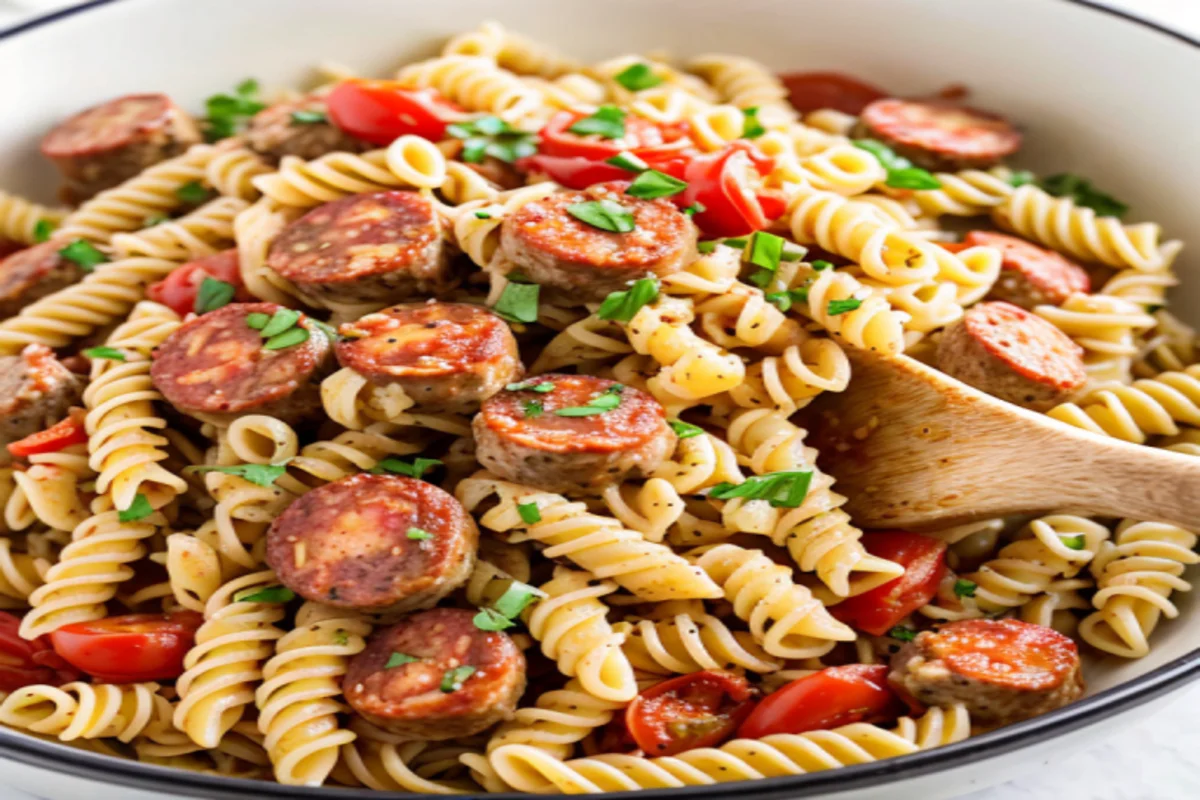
x,y
1141,482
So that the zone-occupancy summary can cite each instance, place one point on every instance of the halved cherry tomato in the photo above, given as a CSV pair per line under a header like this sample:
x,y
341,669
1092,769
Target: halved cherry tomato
x,y
724,183
26,662
880,609
381,111
700,709
57,437
827,699
647,140
137,647
809,91
178,290
573,172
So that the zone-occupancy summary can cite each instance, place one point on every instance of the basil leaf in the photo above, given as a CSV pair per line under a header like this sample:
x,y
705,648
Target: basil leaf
x,y
154,219
292,336
309,117
533,408
637,77
912,178
532,385
491,620
229,113
765,250
281,320
529,513
1081,191
213,294
111,353
607,122
42,230
786,299
1075,541
257,320
416,469
482,215
518,302
819,265
269,594
837,307
258,474
83,253
685,430
453,679
627,160
652,184
965,588
193,193
516,598
138,509
399,659
902,634
622,306
606,215
704,248
696,208
785,489
418,534
751,127
1021,177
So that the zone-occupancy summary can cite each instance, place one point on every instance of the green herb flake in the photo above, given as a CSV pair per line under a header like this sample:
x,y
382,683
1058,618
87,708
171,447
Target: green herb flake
x,y
489,619
628,161
257,320
836,307
694,209
518,302
786,489
704,248
533,408
482,215
965,588
453,679
529,513
765,250
736,243
328,330
83,253
268,594
685,430
139,509
1020,177
820,265
281,320
622,306
341,638
901,174
516,598
786,299
288,338
532,385
396,466
607,122
111,353
309,117
213,294
154,219
492,136
752,128
229,113
258,474
193,193
1081,191
607,215
652,184
418,534
399,660
599,404
43,229
636,77
902,634
1074,542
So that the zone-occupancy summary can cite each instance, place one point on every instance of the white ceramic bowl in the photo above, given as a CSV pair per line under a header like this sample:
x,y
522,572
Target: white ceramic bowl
x,y
1099,93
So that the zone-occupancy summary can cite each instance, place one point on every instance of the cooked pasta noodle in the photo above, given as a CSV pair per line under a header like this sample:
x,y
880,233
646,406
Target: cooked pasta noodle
x,y
19,218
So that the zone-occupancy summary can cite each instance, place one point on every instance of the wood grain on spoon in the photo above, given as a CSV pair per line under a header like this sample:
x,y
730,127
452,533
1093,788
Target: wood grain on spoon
x,y
912,447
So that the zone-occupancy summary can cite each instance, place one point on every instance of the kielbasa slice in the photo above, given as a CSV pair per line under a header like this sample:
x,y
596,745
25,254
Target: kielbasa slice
x,y
582,434
445,356
377,543
1030,275
385,247
218,367
36,391
1003,670
31,274
1012,354
107,144
448,679
300,128
551,247
939,135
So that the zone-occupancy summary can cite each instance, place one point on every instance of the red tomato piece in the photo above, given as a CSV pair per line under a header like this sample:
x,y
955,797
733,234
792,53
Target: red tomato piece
x,y
880,609
700,709
381,111
573,172
137,647
58,436
645,139
810,91
27,662
725,183
827,699
178,291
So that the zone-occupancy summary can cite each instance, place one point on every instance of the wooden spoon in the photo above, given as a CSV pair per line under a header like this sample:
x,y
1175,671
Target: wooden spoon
x,y
912,447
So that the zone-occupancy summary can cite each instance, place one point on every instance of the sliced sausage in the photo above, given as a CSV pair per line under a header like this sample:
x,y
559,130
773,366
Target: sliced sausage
x,y
551,247
218,367
583,434
378,543
939,135
299,128
445,356
1003,670
1030,275
449,679
384,247
36,391
107,144
31,274
1012,354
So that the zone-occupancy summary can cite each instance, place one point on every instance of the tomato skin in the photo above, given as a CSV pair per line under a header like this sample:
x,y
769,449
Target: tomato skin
x,y
179,289
713,704
810,91
380,111
723,182
573,172
833,697
880,609
58,436
128,649
647,140
27,662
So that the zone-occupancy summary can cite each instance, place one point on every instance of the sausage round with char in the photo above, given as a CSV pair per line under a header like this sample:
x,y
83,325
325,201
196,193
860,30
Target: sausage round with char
x,y
385,247
1002,670
107,144
36,391
1030,276
447,678
217,367
551,247
939,135
1012,354
445,356
300,128
31,274
377,543
583,434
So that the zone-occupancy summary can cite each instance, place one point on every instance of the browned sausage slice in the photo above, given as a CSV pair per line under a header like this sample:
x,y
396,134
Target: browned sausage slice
x,y
378,543
36,390
104,145
1030,275
31,274
1012,354
448,678
218,366
383,247
1003,670
582,434
553,248
299,128
940,135
447,356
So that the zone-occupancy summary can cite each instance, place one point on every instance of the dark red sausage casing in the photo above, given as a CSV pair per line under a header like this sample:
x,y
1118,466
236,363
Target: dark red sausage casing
x,y
445,356
36,391
384,247
1012,354
107,144
216,366
378,543
31,274
1030,276
274,132
553,248
939,135
408,699
520,436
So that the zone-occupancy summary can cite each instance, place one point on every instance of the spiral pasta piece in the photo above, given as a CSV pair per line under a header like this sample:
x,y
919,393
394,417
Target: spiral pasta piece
x,y
49,491
409,162
1105,328
19,218
479,236
476,84
354,402
746,83
81,710
690,641
847,308
1132,413
203,232
843,169
20,575
513,52
407,766
193,570
557,721
967,193
1169,347
590,339
233,168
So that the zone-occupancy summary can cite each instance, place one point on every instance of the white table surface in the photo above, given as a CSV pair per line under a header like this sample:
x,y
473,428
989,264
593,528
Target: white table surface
x,y
1156,759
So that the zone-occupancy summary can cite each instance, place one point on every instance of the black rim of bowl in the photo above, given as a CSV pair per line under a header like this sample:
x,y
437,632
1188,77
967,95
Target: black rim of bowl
x,y
54,757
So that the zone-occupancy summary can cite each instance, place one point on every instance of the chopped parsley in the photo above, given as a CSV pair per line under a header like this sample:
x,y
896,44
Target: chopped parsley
x,y
607,215
695,208
269,594
292,336
529,513
608,122
280,321
139,509
213,294
786,299
43,229
752,128
341,638
488,619
482,215
965,588
652,184
83,253
820,265
193,193
1084,194
627,160
1075,541
622,306
533,408
1020,177
418,534
399,660
902,634
786,489
492,136
396,466
111,353
704,248
258,474
836,307
606,401
519,301
637,76
516,598
229,113
685,430
901,174
453,679
309,116
532,385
